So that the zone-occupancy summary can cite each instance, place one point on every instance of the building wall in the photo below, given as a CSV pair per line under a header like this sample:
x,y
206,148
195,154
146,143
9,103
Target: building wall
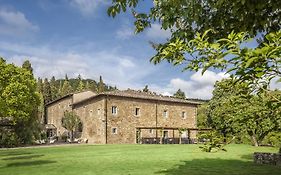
x,y
55,113
98,127
126,122
92,115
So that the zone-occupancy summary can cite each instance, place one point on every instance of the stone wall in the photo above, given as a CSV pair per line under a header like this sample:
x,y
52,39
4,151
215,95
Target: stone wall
x,y
92,115
55,113
101,125
151,114
267,158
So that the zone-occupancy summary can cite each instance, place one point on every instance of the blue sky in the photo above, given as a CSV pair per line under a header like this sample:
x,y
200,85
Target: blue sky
x,y
77,37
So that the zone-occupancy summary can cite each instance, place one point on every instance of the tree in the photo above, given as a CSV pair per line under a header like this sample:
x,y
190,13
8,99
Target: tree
x,y
27,65
47,93
81,85
234,110
179,94
54,89
71,122
187,17
232,22
39,85
18,99
66,87
145,89
100,85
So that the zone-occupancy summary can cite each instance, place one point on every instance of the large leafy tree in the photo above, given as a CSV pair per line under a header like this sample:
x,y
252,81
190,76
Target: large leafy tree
x,y
71,122
187,17
192,45
18,100
233,110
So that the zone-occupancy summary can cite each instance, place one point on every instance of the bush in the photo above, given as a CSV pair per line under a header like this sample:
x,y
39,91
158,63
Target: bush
x,y
273,138
8,139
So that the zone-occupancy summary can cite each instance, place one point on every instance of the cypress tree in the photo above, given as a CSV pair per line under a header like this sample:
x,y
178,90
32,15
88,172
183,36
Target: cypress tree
x,y
47,93
100,86
66,87
54,89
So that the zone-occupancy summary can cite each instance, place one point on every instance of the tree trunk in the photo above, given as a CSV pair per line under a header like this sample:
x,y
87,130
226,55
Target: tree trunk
x,y
254,140
72,138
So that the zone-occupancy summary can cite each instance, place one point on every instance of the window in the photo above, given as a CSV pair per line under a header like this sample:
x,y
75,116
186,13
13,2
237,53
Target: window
x,y
165,113
114,110
114,130
98,111
183,115
151,131
137,112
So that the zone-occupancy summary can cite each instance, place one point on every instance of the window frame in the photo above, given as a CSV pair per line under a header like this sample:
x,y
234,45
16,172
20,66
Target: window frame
x,y
114,110
112,129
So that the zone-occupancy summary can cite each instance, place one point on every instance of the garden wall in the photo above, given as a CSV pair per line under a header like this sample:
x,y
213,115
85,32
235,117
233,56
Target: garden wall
x,y
267,158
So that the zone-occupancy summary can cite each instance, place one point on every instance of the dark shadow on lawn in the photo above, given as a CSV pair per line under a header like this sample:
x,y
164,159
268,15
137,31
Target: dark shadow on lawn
x,y
9,153
30,163
248,156
23,157
220,167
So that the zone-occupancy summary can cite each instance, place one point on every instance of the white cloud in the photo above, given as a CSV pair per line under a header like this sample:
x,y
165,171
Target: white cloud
x,y
274,84
87,7
125,32
199,86
117,69
155,32
15,23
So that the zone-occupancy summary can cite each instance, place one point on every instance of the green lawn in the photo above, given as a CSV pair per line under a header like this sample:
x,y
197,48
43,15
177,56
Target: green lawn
x,y
132,159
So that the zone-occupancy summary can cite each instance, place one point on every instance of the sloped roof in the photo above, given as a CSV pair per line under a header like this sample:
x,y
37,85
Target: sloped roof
x,y
77,97
142,95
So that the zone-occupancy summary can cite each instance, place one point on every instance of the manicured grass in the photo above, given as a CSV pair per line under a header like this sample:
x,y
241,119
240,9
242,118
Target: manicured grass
x,y
132,159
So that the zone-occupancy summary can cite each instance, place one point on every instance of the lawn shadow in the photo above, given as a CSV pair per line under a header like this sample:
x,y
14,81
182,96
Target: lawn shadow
x,y
17,153
220,166
248,156
30,163
23,157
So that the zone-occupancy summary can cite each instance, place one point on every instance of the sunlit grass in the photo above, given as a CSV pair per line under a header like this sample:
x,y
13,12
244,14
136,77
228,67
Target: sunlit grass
x,y
132,159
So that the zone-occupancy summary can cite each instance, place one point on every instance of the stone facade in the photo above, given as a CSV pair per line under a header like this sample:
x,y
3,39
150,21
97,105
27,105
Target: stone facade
x,y
113,117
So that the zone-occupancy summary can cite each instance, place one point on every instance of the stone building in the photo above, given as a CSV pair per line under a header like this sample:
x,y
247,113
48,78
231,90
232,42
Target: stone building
x,y
127,116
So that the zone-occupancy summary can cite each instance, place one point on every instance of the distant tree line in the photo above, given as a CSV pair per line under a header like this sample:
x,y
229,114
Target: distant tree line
x,y
56,88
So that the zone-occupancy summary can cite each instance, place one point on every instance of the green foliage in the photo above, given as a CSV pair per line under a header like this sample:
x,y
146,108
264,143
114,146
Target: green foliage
x,y
273,138
187,17
254,65
145,89
214,142
8,139
47,91
54,89
27,65
66,88
179,94
18,95
234,110
18,104
71,122
193,45
100,86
